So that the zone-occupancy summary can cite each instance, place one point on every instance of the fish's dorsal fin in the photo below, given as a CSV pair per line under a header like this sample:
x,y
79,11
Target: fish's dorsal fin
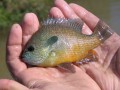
x,y
75,24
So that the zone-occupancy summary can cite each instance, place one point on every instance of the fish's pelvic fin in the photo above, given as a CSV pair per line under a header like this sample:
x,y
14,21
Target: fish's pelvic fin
x,y
67,67
103,31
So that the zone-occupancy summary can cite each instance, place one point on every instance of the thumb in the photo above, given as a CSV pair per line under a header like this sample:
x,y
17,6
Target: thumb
x,y
6,84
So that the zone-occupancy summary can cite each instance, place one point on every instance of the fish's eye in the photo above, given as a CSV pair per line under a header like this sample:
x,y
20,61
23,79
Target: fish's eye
x,y
30,48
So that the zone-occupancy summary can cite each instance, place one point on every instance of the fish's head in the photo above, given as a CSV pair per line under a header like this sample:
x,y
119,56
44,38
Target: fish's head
x,y
36,53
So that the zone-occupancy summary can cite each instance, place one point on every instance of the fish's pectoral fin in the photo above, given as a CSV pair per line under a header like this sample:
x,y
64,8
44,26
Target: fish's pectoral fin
x,y
91,57
69,67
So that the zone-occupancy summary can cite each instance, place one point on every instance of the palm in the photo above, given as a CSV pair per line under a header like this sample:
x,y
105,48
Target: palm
x,y
97,71
92,76
106,71
47,78
94,72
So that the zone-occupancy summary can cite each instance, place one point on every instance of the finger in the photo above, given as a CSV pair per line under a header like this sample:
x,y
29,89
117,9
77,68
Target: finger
x,y
14,49
30,25
90,19
109,49
65,8
118,61
97,74
115,62
69,13
86,30
56,13
11,85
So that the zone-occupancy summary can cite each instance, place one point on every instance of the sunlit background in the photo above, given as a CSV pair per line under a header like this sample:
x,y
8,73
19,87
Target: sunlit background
x,y
12,11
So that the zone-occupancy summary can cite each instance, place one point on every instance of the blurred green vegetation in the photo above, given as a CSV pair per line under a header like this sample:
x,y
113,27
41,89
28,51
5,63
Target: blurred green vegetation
x,y
12,11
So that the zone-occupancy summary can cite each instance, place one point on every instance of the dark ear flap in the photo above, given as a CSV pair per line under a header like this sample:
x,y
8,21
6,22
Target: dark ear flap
x,y
52,40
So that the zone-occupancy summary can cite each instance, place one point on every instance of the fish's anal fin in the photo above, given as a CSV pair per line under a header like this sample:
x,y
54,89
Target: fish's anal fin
x,y
91,57
68,67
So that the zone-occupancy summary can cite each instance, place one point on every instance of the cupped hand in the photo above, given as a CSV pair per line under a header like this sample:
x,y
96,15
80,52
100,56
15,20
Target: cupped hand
x,y
101,75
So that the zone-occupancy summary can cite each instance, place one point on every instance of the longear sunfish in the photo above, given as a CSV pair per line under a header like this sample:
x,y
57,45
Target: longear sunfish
x,y
60,41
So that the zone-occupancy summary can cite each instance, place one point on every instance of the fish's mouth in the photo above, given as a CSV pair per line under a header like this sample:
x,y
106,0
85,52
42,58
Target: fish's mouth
x,y
31,61
36,57
34,60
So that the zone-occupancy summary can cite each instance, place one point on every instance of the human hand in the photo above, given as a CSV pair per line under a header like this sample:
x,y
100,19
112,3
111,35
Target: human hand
x,y
103,74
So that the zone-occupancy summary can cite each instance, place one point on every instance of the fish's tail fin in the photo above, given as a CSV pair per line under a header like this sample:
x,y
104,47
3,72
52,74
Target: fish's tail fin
x,y
103,31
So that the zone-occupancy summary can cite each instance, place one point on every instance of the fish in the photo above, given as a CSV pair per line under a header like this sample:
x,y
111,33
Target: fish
x,y
59,41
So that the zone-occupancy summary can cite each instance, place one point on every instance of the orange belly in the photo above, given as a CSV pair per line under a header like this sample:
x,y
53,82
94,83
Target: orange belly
x,y
76,53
